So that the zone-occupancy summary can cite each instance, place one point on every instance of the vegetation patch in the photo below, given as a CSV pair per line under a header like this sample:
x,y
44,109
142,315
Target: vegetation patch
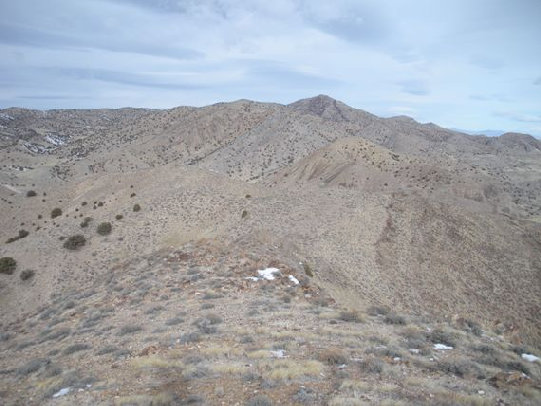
x,y
75,242
7,265
104,228
56,212
86,222
26,274
136,207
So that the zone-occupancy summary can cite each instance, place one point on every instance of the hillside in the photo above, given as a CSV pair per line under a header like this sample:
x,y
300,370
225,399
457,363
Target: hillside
x,y
394,230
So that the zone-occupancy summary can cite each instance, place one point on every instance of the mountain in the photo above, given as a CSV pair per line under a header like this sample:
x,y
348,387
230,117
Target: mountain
x,y
488,133
402,236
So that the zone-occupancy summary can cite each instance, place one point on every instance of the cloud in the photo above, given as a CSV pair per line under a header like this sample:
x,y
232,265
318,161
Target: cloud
x,y
123,78
11,34
355,21
414,87
486,62
523,118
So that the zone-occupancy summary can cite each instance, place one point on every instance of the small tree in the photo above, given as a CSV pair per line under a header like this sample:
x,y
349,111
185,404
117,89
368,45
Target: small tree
x,y
136,207
75,242
7,265
104,228
56,212
31,193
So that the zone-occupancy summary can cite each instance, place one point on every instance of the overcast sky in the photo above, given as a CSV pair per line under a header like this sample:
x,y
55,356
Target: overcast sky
x,y
472,64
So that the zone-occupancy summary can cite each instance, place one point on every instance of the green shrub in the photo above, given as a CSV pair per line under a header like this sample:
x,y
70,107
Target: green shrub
x,y
31,193
333,356
351,316
136,207
119,217
85,222
7,265
104,228
244,214
393,318
22,234
308,270
57,211
75,242
26,274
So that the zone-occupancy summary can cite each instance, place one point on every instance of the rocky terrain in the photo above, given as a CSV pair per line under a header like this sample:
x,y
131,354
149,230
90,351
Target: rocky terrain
x,y
406,258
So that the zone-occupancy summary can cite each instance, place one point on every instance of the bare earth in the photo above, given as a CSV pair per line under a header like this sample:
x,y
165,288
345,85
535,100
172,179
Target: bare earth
x,y
403,236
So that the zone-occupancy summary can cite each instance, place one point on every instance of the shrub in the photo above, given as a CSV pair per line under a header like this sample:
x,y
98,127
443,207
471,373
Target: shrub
x,y
104,228
443,337
333,357
75,348
85,222
136,207
393,318
132,195
119,217
378,310
75,242
244,214
56,212
307,270
7,265
31,193
372,365
26,274
260,400
129,329
22,234
351,316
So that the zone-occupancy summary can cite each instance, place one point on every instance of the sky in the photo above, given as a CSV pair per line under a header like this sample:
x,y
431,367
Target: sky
x,y
470,64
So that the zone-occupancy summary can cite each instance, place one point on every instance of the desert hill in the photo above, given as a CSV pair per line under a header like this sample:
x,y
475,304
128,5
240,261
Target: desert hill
x,y
441,227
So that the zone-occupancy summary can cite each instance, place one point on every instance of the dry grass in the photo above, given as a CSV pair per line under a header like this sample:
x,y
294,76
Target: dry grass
x,y
159,399
230,368
287,369
343,401
154,361
259,354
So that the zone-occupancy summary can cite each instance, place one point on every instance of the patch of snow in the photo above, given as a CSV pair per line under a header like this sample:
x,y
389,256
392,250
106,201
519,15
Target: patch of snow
x,y
56,141
278,354
293,279
62,392
252,278
6,117
442,347
268,273
342,366
35,148
414,350
530,357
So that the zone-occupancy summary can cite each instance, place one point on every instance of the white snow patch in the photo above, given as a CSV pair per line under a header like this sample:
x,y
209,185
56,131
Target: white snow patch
x,y
62,392
278,354
414,350
530,357
252,278
442,347
293,279
51,139
268,273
